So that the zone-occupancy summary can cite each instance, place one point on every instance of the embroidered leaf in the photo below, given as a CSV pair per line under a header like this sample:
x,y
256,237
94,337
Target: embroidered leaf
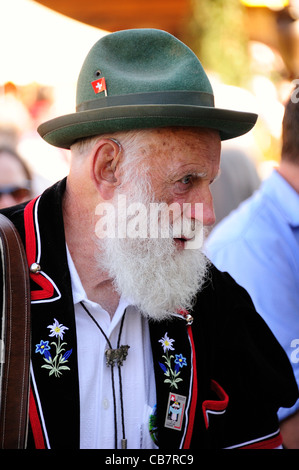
x,y
49,361
168,360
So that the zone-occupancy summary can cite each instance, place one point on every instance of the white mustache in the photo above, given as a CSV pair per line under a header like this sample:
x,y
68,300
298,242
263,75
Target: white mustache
x,y
185,228
155,220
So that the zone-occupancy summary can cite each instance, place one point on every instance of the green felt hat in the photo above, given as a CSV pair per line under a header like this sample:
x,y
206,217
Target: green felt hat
x,y
142,78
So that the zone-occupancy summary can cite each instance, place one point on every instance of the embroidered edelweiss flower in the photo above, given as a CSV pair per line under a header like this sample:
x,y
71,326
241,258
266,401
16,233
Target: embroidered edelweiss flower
x,y
57,329
166,343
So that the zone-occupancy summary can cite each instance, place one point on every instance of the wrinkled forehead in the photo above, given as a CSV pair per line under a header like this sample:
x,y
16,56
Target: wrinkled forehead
x,y
181,146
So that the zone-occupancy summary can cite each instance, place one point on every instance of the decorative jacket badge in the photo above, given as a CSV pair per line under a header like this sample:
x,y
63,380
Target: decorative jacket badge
x,y
171,371
57,357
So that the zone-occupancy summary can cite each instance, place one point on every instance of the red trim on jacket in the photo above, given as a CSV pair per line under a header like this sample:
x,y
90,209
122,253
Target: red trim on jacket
x,y
215,405
272,443
47,289
193,396
35,423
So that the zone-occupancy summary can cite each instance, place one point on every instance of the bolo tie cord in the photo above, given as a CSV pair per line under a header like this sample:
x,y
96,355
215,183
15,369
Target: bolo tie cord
x,y
124,440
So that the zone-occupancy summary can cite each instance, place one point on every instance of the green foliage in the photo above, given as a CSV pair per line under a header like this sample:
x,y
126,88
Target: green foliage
x,y
218,37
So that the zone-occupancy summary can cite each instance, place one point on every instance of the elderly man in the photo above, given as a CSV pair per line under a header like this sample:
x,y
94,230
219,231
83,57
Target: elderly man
x,y
137,340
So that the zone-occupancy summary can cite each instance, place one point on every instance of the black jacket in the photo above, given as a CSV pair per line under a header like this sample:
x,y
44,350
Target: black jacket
x,y
235,374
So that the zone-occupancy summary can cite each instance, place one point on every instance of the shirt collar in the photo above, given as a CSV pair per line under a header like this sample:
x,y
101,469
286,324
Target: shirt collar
x,y
79,294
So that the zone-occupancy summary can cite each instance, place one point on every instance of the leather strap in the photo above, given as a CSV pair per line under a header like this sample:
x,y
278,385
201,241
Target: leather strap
x,y
15,339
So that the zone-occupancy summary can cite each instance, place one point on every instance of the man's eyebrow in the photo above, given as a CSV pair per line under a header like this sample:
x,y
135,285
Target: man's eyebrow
x,y
202,174
180,174
177,176
197,174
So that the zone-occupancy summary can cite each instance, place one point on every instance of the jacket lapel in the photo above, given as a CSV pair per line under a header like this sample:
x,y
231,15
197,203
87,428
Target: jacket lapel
x,y
54,400
176,381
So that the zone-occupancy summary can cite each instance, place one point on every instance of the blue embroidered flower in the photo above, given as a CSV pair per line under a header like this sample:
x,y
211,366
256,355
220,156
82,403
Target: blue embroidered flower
x,y
180,360
47,355
42,347
163,367
66,355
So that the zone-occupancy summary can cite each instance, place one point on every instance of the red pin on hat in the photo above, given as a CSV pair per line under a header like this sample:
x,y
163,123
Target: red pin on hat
x,y
99,85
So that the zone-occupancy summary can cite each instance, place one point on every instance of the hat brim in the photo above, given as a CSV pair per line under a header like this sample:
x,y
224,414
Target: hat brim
x,y
66,130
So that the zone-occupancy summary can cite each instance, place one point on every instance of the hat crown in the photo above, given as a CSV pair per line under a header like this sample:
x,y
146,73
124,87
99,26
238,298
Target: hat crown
x,y
140,61
152,80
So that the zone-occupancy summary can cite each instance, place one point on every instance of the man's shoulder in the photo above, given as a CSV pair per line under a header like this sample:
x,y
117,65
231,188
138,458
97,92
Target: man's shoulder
x,y
221,280
51,198
221,292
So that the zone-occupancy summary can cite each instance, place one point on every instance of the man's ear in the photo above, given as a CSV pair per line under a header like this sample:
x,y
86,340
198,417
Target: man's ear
x,y
106,154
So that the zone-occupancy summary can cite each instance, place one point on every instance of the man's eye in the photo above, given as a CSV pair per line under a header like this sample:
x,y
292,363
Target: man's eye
x,y
186,179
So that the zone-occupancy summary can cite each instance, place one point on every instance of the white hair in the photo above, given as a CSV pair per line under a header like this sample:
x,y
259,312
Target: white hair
x,y
135,158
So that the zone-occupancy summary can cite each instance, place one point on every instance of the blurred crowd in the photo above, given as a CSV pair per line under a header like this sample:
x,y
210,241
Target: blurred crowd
x,y
27,164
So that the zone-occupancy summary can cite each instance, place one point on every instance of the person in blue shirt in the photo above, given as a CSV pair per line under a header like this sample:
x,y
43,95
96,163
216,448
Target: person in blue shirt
x,y
258,244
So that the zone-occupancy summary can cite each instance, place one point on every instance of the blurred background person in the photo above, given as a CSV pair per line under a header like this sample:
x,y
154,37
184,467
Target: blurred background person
x,y
258,244
15,178
21,109
237,181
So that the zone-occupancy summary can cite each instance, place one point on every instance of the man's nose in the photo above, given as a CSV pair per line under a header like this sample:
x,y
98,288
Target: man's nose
x,y
202,211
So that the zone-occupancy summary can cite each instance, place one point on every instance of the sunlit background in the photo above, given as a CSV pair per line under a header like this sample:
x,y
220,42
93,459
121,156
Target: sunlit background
x,y
250,50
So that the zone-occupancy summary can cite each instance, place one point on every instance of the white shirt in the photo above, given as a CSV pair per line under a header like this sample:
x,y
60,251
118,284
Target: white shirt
x,y
97,427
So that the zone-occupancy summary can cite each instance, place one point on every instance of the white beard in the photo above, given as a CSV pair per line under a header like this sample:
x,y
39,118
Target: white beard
x,y
152,273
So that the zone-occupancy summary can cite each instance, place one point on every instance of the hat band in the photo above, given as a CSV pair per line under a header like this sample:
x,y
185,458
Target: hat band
x,y
192,98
